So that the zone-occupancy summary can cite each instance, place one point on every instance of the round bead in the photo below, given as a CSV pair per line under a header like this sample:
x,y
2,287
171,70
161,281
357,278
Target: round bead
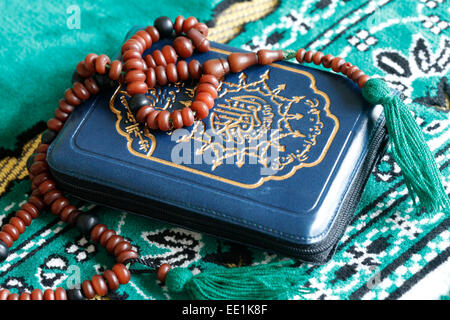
x,y
12,231
200,108
164,26
88,289
356,75
150,61
163,270
206,98
38,167
51,196
13,296
101,62
111,279
80,91
171,72
19,224
131,54
112,242
60,294
106,236
37,294
133,44
55,124
153,32
203,28
337,63
188,116
60,115
326,60
159,58
6,239
122,273
195,69
151,78
151,120
58,205
25,296
85,222
99,285
163,120
169,54
178,25
97,231
182,70
89,62
177,120
126,255
82,70
122,246
71,98
147,38
189,23
208,78
49,294
137,101
309,56
24,216
134,75
74,294
67,212
4,251
64,106
209,88
183,46
317,57
46,186
143,112
345,67
42,148
134,64
4,293
362,81
48,136
31,209
140,40
137,87
161,76
115,70
300,56
351,70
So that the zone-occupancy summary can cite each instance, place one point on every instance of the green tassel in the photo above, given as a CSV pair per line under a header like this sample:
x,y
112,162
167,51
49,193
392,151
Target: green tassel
x,y
264,281
410,151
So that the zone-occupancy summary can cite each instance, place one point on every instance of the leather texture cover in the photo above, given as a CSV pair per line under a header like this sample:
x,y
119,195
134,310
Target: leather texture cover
x,y
276,159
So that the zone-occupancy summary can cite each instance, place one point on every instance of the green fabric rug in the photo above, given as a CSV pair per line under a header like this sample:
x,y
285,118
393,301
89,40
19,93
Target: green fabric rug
x,y
389,251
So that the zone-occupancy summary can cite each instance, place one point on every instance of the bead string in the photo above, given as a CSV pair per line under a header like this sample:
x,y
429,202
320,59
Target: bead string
x,y
97,72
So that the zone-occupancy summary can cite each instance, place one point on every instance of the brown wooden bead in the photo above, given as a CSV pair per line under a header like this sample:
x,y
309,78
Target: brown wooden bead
x,y
240,61
72,219
106,236
37,294
199,40
55,124
61,116
6,238
356,75
31,209
25,296
203,28
137,87
42,148
159,58
60,294
122,273
49,294
195,69
183,47
82,70
216,67
337,63
12,231
143,112
351,70
206,98
309,56
362,80
188,116
177,120
161,76
171,72
58,205
326,60
40,178
208,78
115,70
182,70
209,88
169,54
88,289
144,35
300,56
122,246
151,120
112,242
131,54
40,156
46,186
266,57
64,106
134,64
66,212
135,75
111,279
101,62
36,202
317,57
71,98
200,108
178,25
345,67
99,285
4,293
132,44
189,23
13,296
18,224
163,270
163,120
151,78
89,62
24,216
150,61
97,232
153,32
126,255
39,167
51,196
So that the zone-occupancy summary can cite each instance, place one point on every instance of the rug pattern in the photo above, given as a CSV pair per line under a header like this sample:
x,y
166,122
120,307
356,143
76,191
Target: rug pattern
x,y
389,251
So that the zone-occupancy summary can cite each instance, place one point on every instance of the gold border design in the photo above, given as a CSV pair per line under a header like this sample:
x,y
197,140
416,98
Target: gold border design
x,y
262,180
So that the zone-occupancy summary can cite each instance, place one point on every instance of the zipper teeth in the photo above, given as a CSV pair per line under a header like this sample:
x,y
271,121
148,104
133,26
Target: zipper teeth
x,y
349,206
